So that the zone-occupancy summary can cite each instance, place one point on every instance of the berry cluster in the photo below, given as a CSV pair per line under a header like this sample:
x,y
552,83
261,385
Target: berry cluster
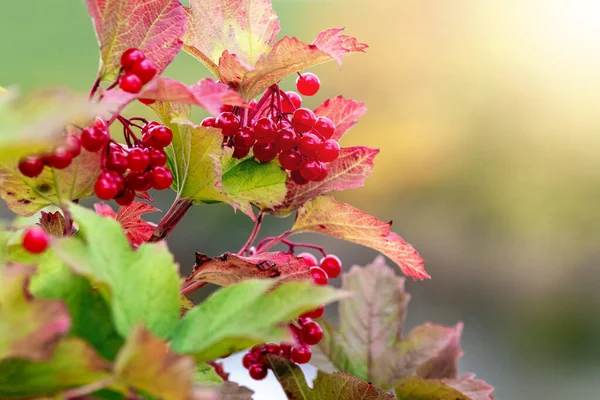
x,y
60,158
278,127
133,168
137,70
306,332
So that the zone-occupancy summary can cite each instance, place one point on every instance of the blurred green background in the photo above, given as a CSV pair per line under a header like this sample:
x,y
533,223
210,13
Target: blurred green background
x,y
488,115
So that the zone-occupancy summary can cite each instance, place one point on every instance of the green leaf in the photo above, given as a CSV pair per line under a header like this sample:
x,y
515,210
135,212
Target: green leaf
x,y
141,286
148,364
26,196
464,388
73,364
29,328
205,374
245,314
339,386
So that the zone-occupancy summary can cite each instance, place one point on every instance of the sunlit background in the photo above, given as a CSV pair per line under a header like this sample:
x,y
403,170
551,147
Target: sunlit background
x,y
488,114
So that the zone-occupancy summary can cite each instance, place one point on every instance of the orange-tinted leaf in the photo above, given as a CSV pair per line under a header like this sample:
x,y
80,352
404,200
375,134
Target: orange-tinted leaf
x,y
432,351
330,217
29,328
246,28
332,42
137,230
349,171
231,70
344,113
230,268
153,26
53,223
474,389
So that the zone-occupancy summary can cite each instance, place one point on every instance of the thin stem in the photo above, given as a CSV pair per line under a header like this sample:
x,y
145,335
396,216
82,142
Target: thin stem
x,y
68,221
87,389
193,287
293,245
171,219
259,105
253,235
94,88
270,242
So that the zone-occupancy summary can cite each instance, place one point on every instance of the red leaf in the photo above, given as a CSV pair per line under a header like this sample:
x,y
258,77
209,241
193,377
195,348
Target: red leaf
x,y
340,220
332,42
349,171
154,26
474,389
230,268
434,351
137,230
53,223
231,71
344,113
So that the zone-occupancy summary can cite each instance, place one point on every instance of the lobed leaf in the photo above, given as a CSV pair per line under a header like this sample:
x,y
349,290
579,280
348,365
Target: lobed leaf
x,y
334,43
53,223
229,269
344,113
153,26
465,388
327,216
474,389
248,313
137,230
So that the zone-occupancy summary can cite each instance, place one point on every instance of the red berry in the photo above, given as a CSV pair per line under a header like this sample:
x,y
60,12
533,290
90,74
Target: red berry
x,y
309,146
73,145
324,126
31,166
258,372
285,139
323,175
273,348
106,188
144,69
117,161
147,102
61,158
265,152
158,158
240,152
249,360
332,265
130,83
116,177
303,120
311,260
311,333
298,178
316,313
311,170
329,151
209,122
227,108
319,276
139,181
138,159
300,354
296,102
161,136
130,57
35,240
264,130
244,138
146,128
290,160
126,198
94,139
308,84
162,178
228,122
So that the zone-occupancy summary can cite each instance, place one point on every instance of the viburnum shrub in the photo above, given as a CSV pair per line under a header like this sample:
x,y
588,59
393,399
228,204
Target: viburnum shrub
x,y
91,301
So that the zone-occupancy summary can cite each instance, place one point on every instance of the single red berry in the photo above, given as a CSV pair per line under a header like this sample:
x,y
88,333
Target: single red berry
x,y
265,152
258,372
226,108
273,348
244,138
249,360
144,69
264,130
285,349
309,146
298,178
146,128
332,265
308,84
300,354
311,333
158,158
314,314
73,145
209,122
303,120
324,172
228,122
147,102
294,103
311,170
138,159
106,188
324,127
117,161
139,181
94,139
319,276
290,160
116,177
35,240
126,198
310,259
329,151
61,158
130,57
285,139
240,152
130,83
31,166
161,136
162,178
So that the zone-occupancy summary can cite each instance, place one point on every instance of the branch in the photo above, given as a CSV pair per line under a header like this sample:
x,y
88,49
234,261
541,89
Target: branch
x,y
192,287
267,243
171,219
253,235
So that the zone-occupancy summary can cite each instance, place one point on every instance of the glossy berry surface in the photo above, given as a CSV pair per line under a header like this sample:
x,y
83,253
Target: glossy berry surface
x,y
311,170
228,122
332,265
265,152
319,276
308,84
130,83
324,127
31,166
158,158
126,198
106,188
290,160
264,130
244,138
61,158
314,314
94,139
298,178
131,57
285,139
35,240
295,101
309,145
73,145
241,152
311,333
303,120
139,181
328,151
138,159
117,161
258,372
161,178
209,122
144,69
300,354
161,136
310,259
